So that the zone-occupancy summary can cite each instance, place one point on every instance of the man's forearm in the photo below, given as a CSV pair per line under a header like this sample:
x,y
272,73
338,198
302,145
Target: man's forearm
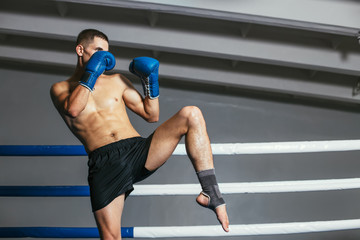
x,y
77,100
152,109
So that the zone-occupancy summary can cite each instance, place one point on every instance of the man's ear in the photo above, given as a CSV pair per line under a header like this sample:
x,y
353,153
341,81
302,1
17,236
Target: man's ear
x,y
79,50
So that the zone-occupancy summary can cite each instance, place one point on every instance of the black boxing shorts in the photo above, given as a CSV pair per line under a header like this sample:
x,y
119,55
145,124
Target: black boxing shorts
x,y
114,168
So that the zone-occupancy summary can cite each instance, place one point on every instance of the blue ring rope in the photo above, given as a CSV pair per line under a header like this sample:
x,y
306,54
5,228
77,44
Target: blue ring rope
x,y
57,232
56,191
42,150
44,191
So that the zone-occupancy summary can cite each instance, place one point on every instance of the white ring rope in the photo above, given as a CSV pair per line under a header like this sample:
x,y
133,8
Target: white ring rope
x,y
256,187
249,187
278,147
246,230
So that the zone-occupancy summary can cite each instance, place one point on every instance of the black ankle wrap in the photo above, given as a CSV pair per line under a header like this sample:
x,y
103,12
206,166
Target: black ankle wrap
x,y
210,188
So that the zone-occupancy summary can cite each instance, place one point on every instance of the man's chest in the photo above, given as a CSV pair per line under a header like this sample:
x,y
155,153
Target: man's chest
x,y
105,97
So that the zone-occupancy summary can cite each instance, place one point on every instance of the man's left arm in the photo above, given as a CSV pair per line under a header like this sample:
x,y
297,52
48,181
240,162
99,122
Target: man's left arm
x,y
147,69
147,108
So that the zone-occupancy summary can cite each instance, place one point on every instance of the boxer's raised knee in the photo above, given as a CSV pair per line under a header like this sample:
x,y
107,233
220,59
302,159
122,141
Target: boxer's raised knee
x,y
192,114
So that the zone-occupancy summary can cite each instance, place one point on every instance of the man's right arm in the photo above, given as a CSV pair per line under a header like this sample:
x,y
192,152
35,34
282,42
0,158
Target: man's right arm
x,y
70,104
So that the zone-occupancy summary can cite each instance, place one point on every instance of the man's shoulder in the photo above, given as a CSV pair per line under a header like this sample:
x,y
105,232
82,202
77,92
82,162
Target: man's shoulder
x,y
61,86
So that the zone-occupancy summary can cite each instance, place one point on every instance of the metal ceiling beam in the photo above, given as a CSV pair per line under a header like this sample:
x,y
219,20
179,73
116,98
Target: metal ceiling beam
x,y
197,74
192,43
224,11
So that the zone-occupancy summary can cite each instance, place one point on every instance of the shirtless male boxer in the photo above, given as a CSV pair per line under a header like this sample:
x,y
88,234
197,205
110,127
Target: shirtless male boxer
x,y
92,105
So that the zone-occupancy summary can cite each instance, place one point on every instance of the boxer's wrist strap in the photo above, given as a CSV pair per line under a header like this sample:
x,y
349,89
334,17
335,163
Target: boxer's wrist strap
x,y
88,80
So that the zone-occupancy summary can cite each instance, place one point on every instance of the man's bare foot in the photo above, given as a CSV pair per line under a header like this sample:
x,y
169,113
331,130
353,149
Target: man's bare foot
x,y
219,211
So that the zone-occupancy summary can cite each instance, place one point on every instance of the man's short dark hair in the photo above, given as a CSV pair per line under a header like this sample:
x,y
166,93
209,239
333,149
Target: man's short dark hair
x,y
86,36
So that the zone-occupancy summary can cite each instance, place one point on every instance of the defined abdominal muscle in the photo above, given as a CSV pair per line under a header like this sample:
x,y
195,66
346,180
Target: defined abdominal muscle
x,y
108,133
100,128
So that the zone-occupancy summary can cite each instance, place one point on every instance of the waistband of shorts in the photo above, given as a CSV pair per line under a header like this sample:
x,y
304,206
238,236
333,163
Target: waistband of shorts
x,y
119,144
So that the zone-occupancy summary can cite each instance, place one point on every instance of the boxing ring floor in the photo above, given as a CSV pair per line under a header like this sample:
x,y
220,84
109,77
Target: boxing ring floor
x,y
270,187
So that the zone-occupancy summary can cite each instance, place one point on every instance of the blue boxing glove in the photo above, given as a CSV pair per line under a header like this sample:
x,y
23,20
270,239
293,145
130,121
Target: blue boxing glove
x,y
99,62
147,69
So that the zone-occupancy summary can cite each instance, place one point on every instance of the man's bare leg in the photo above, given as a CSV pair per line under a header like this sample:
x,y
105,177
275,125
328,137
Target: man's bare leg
x,y
108,219
188,121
